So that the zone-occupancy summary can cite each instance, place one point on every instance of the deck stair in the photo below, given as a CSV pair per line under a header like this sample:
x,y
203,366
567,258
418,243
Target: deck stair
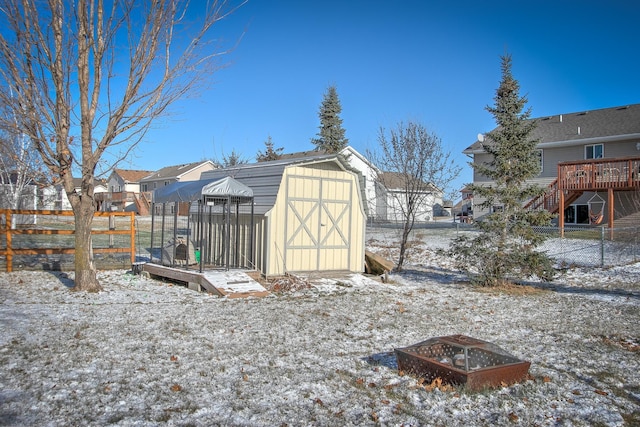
x,y
550,200
143,205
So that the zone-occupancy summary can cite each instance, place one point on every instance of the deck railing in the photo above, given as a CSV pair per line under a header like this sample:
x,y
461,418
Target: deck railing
x,y
576,177
117,197
599,174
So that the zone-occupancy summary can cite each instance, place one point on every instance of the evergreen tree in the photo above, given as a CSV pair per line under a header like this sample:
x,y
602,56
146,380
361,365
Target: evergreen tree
x,y
331,137
506,244
232,159
269,153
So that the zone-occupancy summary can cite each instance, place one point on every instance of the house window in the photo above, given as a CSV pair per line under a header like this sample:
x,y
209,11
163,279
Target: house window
x,y
540,160
576,214
166,183
595,151
144,187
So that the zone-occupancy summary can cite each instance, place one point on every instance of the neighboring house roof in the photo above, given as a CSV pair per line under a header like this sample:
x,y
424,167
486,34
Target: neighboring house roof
x,y
350,151
131,176
395,181
467,193
459,205
346,151
300,154
175,171
583,127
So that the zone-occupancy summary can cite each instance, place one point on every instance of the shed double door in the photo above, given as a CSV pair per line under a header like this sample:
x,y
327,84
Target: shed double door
x,y
318,223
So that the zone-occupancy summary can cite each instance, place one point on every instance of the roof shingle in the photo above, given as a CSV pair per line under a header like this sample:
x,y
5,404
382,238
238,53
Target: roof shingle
x,y
606,122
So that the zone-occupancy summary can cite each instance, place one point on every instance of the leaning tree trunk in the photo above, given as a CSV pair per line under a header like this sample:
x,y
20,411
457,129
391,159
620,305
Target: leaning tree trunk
x,y
85,269
403,245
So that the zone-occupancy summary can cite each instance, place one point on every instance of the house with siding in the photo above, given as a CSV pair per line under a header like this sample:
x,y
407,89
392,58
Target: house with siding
x,y
177,173
589,163
54,197
12,183
18,191
392,206
123,192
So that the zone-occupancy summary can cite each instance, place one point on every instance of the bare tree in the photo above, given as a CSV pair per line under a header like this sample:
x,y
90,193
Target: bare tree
x,y
21,172
413,165
90,77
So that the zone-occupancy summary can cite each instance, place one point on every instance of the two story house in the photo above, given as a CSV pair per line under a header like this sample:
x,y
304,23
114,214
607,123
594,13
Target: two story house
x,y
130,190
123,192
590,165
178,173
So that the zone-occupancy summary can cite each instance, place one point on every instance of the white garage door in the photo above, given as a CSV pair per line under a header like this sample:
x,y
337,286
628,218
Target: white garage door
x,y
318,223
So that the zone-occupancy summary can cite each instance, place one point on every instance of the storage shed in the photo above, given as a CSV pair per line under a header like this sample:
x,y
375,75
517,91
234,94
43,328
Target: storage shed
x,y
308,214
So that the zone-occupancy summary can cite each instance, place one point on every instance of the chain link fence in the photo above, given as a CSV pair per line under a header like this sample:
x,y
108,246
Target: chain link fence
x,y
586,246
593,246
577,246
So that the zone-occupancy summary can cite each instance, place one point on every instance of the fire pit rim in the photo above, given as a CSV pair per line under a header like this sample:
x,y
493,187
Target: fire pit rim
x,y
510,371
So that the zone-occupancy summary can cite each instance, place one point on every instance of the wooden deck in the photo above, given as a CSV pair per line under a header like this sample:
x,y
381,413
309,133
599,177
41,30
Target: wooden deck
x,y
574,178
600,174
230,284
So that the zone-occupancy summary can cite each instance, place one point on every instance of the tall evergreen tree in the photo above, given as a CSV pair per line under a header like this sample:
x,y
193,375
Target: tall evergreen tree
x,y
269,153
331,135
506,245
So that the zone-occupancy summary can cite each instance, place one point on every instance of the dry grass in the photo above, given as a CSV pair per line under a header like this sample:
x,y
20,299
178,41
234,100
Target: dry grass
x,y
514,289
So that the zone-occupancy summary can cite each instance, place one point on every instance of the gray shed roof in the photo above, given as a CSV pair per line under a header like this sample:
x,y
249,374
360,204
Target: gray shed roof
x,y
264,177
191,191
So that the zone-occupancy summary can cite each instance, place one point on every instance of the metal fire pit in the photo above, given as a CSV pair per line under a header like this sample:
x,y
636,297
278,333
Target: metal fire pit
x,y
462,360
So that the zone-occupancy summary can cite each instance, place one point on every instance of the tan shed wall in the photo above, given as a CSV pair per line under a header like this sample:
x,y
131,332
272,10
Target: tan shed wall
x,y
317,223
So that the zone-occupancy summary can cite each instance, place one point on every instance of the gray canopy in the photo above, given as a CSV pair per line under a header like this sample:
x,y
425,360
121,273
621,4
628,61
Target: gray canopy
x,y
192,191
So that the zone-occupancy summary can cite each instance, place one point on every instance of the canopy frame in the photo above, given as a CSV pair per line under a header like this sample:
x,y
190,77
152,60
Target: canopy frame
x,y
203,210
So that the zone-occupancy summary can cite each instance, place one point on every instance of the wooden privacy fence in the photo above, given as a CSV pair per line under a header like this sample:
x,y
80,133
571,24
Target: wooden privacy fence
x,y
27,225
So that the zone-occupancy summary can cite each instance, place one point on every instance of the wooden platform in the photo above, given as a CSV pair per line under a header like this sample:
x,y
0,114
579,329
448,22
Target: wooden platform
x,y
230,284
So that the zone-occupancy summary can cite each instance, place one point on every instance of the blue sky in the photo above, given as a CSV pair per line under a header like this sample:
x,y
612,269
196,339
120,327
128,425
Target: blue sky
x,y
434,62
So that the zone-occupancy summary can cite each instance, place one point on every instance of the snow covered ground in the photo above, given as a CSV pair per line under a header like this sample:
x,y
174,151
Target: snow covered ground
x,y
148,353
